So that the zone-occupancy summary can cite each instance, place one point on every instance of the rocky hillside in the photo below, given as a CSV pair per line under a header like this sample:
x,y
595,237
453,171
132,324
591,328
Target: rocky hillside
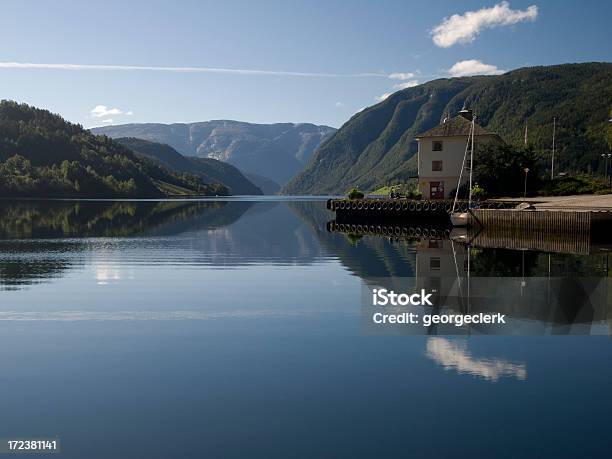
x,y
377,147
275,151
209,170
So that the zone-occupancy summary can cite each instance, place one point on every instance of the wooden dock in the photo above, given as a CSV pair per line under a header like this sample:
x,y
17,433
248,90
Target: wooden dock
x,y
403,209
501,216
533,221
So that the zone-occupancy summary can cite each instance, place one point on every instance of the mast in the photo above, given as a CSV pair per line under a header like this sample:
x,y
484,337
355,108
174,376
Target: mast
x,y
552,161
467,145
471,160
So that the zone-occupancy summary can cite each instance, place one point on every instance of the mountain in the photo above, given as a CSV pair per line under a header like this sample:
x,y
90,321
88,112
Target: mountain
x,y
275,151
42,155
209,170
376,146
265,184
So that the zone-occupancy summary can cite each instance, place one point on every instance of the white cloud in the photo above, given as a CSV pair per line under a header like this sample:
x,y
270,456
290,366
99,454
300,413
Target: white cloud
x,y
407,84
108,121
100,111
401,76
398,87
463,28
215,70
473,67
455,356
339,104
129,113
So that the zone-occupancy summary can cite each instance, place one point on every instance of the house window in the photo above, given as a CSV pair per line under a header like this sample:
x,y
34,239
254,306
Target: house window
x,y
435,244
436,146
436,166
434,263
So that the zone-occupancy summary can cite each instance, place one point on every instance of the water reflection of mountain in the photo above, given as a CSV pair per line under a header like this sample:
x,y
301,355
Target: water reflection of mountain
x,y
41,239
25,263
267,233
366,257
78,219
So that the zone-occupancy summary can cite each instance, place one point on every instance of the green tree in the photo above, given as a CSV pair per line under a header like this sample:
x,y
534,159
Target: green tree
x,y
500,169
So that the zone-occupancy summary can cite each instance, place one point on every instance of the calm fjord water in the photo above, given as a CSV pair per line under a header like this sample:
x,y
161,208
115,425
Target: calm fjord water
x,y
232,328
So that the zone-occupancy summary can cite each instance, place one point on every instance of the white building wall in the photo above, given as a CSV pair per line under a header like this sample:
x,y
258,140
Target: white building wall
x,y
453,149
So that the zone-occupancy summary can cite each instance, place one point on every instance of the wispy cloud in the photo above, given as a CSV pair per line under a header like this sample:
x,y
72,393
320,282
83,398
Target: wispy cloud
x,y
100,111
339,104
383,96
473,67
407,84
401,76
108,121
70,316
213,70
463,28
399,86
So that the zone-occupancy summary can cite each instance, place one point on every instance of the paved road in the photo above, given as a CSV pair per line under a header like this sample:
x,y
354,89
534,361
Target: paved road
x,y
603,201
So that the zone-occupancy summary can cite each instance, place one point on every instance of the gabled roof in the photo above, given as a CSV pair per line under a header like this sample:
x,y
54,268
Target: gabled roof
x,y
457,126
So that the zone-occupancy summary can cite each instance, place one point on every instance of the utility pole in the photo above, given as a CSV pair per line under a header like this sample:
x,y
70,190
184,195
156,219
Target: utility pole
x,y
526,134
609,154
525,189
552,161
606,157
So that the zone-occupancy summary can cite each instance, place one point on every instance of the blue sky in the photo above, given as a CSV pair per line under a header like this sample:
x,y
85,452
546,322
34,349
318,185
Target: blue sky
x,y
322,61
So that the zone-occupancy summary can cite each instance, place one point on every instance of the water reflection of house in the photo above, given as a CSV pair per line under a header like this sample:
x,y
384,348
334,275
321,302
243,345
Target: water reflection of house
x,y
439,262
561,303
440,154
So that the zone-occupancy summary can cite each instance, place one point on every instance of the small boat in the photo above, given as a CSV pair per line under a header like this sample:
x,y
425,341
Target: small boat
x,y
459,235
460,219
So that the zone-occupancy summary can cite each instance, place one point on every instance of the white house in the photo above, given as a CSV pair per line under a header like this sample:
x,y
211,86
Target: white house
x,y
441,151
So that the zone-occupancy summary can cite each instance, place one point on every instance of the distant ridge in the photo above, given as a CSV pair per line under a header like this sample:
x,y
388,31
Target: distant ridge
x,y
209,170
265,184
276,151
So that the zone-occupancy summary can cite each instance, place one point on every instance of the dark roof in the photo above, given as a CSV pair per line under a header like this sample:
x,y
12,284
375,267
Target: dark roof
x,y
457,126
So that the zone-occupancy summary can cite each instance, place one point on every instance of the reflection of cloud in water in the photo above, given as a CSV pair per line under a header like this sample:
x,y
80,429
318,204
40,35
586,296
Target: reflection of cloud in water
x,y
69,316
107,273
455,356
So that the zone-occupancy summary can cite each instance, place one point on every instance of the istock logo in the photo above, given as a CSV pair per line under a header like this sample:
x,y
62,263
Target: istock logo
x,y
384,297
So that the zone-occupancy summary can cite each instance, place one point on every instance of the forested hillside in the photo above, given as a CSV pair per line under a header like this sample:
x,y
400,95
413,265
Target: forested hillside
x,y
42,155
377,147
